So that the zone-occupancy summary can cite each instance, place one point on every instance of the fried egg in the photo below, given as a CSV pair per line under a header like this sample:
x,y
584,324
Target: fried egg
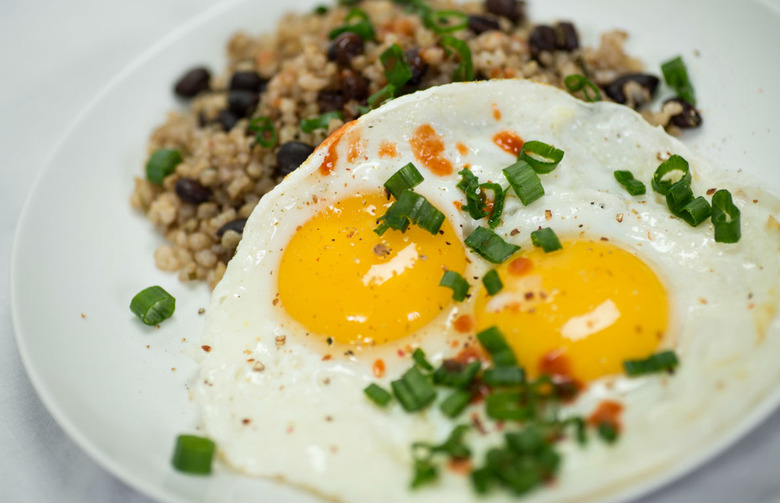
x,y
315,305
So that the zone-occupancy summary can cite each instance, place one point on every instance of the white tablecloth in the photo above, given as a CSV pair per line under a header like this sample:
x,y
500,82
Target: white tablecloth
x,y
55,55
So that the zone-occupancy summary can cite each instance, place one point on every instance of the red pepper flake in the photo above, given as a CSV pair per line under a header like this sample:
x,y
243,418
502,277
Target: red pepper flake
x,y
246,421
280,340
711,191
520,266
477,423
206,348
547,214
464,323
378,368
401,353
496,111
509,142
608,412
428,148
461,466
326,358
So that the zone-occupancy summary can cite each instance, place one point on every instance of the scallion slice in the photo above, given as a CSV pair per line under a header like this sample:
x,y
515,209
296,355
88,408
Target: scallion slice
x,y
494,343
678,196
162,163
524,181
413,390
465,70
378,394
387,93
193,454
676,76
405,178
695,211
499,196
454,404
456,375
529,440
418,355
358,22
490,245
670,172
545,239
507,405
725,218
632,185
397,69
542,157
608,432
576,82
265,132
424,473
659,362
321,121
153,305
458,284
445,21
414,208
469,184
504,376
492,282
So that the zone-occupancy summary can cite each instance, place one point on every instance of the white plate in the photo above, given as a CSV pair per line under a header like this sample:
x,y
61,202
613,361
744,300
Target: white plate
x,y
119,388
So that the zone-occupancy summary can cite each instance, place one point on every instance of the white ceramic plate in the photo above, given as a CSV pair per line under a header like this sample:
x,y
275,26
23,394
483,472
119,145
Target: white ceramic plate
x,y
119,388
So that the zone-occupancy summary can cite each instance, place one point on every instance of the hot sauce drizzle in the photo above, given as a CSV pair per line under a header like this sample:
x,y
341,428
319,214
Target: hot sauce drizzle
x,y
428,149
330,143
388,149
509,142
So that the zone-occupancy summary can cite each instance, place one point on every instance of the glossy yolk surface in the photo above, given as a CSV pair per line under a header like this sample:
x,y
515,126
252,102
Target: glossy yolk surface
x,y
580,311
340,279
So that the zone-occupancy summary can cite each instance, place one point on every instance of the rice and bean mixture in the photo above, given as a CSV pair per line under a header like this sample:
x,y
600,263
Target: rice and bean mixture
x,y
242,131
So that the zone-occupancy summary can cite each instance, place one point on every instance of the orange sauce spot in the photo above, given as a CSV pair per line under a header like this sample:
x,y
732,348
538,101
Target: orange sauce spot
x,y
470,354
455,343
388,149
458,205
520,266
496,112
461,466
355,148
462,149
330,144
509,142
378,368
464,323
555,363
428,149
608,412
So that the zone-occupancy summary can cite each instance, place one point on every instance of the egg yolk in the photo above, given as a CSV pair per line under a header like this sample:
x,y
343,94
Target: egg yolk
x,y
580,311
340,279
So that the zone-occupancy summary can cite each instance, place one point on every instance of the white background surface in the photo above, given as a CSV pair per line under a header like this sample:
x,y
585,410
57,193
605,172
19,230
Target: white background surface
x,y
54,57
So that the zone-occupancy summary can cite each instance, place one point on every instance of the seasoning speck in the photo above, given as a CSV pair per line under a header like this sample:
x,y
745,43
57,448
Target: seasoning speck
x,y
201,310
280,340
206,348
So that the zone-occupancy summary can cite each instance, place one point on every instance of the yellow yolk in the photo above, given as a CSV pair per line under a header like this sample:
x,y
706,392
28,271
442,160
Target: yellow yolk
x,y
340,279
580,311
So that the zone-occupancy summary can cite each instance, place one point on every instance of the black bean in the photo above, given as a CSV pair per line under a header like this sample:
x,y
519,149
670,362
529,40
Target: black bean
x,y
417,64
688,118
481,24
234,225
345,47
514,10
542,39
290,156
616,90
227,119
328,100
191,191
247,81
353,85
566,37
193,83
242,103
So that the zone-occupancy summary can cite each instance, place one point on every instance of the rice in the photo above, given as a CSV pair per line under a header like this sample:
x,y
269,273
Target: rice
x,y
201,206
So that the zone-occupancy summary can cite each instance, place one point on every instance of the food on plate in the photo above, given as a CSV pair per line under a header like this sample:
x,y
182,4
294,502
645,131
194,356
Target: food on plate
x,y
483,222
153,305
193,454
282,93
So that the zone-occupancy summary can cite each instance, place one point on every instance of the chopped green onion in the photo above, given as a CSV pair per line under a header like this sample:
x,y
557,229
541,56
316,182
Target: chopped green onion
x,y
153,305
193,454
492,282
321,121
405,178
608,432
465,70
676,76
696,211
454,404
579,428
659,362
490,245
397,69
458,284
524,181
418,355
320,10
387,93
678,196
504,376
725,218
378,395
265,133
453,446
162,163
469,184
632,185
456,375
542,157
413,390
424,473
577,82
481,478
529,440
507,405
494,343
358,22
414,208
670,172
545,239
499,195
445,21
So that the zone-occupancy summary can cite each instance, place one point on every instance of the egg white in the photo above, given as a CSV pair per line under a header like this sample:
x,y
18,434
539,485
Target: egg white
x,y
278,407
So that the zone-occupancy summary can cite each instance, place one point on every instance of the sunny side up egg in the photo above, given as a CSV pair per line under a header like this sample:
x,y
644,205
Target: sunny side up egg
x,y
315,305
